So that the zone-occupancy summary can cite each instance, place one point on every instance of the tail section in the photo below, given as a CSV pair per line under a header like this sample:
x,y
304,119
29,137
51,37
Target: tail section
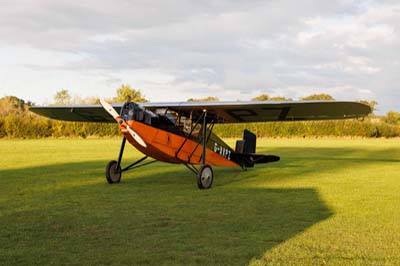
x,y
247,144
245,152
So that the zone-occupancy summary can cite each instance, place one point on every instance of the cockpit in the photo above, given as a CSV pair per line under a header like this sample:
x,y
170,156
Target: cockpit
x,y
132,111
161,118
128,111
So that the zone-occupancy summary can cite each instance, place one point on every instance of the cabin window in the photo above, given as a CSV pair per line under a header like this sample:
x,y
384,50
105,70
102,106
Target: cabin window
x,y
187,124
171,115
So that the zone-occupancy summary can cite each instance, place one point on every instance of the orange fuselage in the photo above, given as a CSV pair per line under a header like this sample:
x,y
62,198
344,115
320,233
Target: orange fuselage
x,y
165,146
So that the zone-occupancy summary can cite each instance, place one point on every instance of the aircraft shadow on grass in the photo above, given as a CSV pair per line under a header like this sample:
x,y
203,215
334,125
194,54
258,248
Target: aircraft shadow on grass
x,y
227,225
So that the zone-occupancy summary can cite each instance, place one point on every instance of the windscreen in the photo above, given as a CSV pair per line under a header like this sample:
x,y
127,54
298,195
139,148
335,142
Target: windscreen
x,y
128,111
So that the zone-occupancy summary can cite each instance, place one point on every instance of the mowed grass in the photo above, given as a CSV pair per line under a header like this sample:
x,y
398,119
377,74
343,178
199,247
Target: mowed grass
x,y
327,202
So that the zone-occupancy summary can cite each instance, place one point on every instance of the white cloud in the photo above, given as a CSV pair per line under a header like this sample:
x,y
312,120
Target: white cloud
x,y
175,49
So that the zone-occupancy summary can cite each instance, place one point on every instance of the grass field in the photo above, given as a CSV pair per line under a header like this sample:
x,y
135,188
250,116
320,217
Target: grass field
x,y
327,202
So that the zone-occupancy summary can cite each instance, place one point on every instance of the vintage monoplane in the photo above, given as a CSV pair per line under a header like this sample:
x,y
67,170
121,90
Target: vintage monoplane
x,y
182,132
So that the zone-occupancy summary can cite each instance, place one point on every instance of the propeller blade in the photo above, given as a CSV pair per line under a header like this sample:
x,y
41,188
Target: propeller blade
x,y
109,109
114,114
136,137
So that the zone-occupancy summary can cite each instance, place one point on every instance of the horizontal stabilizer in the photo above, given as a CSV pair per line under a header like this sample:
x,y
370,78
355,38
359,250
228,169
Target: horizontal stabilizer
x,y
259,158
249,159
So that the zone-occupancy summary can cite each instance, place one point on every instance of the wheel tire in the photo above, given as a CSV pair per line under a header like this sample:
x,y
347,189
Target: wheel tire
x,y
205,177
113,174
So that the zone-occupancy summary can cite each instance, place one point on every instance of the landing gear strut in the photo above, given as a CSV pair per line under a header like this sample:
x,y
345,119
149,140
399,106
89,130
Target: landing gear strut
x,y
205,176
113,168
205,173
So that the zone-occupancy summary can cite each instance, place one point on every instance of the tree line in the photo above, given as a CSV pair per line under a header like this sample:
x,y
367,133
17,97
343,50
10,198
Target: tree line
x,y
17,122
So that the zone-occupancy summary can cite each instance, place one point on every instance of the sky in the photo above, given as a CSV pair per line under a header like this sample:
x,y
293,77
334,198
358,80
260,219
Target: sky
x,y
173,50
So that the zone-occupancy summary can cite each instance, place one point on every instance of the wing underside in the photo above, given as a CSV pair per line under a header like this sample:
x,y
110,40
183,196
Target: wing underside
x,y
78,113
223,112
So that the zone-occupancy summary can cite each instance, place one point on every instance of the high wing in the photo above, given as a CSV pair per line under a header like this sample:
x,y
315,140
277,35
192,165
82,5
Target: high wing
x,y
264,111
222,112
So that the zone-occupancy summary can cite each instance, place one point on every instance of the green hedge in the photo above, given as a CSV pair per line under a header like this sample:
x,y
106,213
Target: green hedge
x,y
28,125
17,122
338,128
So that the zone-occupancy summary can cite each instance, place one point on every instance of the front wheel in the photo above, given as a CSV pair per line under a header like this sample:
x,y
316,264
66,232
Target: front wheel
x,y
113,174
205,177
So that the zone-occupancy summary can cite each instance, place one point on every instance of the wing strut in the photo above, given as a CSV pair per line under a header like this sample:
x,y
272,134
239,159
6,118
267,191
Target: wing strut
x,y
198,143
188,136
